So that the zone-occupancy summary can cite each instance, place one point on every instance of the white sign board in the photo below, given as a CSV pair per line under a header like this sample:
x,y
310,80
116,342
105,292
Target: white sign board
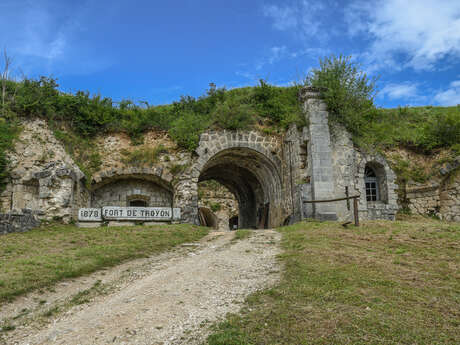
x,y
136,213
128,213
90,215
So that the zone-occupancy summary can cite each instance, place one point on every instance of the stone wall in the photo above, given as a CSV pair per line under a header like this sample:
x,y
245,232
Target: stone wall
x,y
336,167
44,177
269,176
18,221
320,169
450,197
438,198
296,169
424,199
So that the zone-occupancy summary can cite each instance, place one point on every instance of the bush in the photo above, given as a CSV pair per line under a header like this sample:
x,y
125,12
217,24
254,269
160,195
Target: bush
x,y
186,130
87,116
233,115
443,130
348,92
279,104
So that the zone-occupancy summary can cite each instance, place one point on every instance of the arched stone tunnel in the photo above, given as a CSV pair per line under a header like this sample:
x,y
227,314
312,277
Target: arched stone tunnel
x,y
252,178
249,165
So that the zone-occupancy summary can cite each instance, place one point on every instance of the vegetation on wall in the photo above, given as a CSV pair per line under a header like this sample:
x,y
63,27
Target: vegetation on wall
x,y
88,115
350,93
8,132
143,155
347,90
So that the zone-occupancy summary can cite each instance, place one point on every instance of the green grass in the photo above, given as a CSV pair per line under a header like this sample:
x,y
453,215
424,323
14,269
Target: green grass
x,y
143,155
242,234
41,257
423,129
383,283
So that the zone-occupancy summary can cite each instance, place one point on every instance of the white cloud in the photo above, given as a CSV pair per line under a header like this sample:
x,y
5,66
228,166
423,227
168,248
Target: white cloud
x,y
400,91
284,18
303,17
451,96
418,32
274,55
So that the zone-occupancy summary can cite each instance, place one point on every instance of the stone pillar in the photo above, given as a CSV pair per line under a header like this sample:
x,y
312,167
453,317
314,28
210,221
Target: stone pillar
x,y
320,151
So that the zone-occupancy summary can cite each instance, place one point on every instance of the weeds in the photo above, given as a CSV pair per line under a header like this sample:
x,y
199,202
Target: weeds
x,y
242,234
144,155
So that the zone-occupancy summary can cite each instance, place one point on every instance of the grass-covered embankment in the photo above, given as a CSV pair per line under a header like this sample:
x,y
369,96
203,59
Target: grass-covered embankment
x,y
77,118
383,283
41,257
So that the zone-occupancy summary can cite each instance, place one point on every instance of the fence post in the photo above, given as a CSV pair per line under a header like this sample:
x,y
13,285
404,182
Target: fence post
x,y
355,211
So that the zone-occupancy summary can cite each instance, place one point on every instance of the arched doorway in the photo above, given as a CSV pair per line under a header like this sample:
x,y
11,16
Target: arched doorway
x,y
254,180
233,223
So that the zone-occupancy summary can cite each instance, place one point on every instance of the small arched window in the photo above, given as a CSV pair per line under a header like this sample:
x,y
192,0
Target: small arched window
x,y
372,184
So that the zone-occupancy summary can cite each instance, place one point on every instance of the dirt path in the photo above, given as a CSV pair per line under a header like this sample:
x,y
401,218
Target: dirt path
x,y
167,299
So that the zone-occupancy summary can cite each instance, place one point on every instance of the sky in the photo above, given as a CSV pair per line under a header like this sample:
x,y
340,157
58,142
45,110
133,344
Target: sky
x,y
156,51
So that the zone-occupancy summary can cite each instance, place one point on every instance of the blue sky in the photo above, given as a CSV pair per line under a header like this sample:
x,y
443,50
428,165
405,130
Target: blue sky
x,y
156,51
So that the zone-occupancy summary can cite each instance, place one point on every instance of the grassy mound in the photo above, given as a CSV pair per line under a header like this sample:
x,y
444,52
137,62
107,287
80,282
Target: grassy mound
x,y
382,283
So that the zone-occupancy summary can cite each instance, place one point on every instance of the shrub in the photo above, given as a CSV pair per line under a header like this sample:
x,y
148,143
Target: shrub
x,y
348,92
215,206
443,130
233,115
186,130
177,169
82,150
279,104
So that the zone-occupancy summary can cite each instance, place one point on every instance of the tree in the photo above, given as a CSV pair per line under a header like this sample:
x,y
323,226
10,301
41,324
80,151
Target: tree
x,y
348,92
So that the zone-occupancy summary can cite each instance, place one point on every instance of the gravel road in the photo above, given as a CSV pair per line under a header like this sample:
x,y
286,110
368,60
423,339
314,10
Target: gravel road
x,y
172,298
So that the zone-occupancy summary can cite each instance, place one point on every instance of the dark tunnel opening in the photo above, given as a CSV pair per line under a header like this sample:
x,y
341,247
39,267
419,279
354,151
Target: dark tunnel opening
x,y
252,178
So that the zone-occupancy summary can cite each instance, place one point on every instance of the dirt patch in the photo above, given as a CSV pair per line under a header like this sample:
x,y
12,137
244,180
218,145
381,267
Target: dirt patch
x,y
171,298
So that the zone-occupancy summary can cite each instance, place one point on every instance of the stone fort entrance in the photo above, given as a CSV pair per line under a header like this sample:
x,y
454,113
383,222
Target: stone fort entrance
x,y
270,176
249,166
252,177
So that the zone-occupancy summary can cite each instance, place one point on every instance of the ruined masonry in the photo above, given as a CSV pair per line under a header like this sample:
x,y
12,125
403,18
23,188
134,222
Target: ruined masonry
x,y
269,176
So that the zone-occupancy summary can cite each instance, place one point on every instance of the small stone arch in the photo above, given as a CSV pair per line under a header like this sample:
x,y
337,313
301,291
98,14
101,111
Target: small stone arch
x,y
375,183
131,189
139,200
385,206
